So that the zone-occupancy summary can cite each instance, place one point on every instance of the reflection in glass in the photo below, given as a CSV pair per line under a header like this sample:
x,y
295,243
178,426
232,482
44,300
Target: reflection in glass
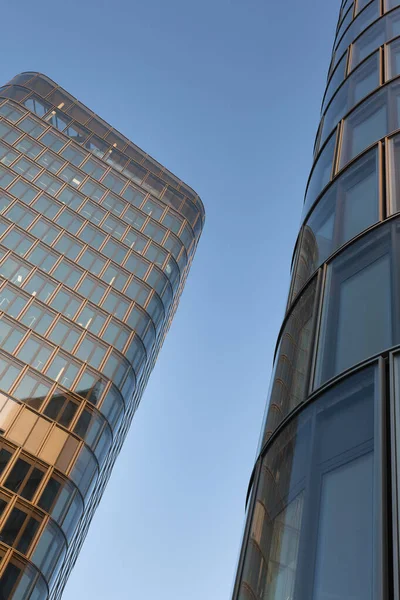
x,y
292,361
357,312
312,530
349,206
321,174
365,125
358,85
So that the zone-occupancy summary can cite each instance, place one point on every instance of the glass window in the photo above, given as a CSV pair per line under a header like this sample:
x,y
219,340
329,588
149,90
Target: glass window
x,y
23,191
115,251
373,37
389,4
58,119
73,155
53,141
293,356
114,227
92,319
394,180
12,302
17,241
135,172
113,182
116,334
5,200
116,277
93,168
93,190
10,112
47,206
48,549
365,125
10,335
42,257
6,177
50,161
313,531
84,470
92,262
92,212
65,335
363,19
71,198
40,286
63,369
114,204
321,174
66,303
37,317
347,19
71,176
336,79
34,352
29,147
350,205
44,230
89,287
360,83
357,311
7,156
116,305
49,494
8,133
20,214
90,385
19,530
32,389
14,270
48,183
68,246
31,126
112,407
134,217
69,221
133,195
61,408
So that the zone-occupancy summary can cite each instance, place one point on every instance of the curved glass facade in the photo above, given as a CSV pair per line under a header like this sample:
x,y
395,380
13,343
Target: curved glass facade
x,y
323,501
96,242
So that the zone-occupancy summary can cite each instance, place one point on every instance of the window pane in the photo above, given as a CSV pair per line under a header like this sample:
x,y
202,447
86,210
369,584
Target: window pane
x,y
292,359
367,124
348,207
356,321
318,470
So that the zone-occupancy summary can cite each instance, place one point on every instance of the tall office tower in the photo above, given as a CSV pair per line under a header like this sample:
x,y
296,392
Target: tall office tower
x,y
96,241
323,503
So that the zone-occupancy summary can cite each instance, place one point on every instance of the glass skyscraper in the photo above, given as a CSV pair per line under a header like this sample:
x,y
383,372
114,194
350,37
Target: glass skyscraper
x,y
96,241
323,502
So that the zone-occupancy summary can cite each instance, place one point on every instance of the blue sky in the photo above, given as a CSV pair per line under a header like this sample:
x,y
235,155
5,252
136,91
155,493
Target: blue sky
x,y
226,94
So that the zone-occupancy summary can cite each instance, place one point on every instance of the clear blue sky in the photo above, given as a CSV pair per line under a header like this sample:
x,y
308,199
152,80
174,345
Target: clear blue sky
x,y
226,94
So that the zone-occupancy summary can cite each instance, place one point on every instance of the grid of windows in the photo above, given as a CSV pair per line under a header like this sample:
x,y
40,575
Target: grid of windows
x,y
96,241
321,518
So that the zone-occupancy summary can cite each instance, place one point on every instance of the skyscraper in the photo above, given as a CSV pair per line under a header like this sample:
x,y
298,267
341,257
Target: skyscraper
x,y
96,241
323,501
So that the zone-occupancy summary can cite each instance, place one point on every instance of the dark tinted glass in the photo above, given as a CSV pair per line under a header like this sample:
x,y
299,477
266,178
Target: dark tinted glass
x,y
13,526
34,479
17,475
289,387
49,494
312,531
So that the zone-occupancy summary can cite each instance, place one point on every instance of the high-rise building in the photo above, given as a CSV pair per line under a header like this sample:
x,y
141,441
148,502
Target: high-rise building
x,y
96,241
323,503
